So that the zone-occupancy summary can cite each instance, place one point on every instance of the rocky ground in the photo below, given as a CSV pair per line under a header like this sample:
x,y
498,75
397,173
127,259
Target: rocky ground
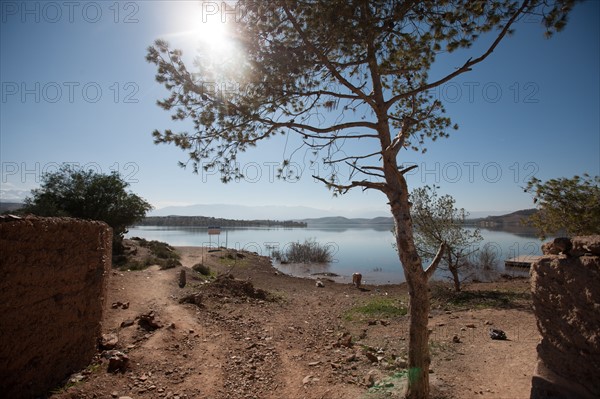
x,y
255,333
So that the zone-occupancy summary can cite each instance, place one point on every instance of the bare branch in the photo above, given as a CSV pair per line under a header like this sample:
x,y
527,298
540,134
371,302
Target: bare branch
x,y
344,188
408,169
435,262
324,93
338,137
467,65
361,170
354,157
329,129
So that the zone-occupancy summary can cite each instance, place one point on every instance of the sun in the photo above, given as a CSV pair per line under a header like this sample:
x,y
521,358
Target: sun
x,y
211,31
199,28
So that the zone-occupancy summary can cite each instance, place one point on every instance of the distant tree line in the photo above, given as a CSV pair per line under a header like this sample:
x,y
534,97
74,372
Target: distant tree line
x,y
204,221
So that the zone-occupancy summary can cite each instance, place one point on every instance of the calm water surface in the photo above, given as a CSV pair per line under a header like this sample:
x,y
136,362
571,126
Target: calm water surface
x,y
367,250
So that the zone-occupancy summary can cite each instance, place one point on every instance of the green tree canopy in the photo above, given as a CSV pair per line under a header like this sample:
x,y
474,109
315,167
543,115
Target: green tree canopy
x,y
572,205
87,195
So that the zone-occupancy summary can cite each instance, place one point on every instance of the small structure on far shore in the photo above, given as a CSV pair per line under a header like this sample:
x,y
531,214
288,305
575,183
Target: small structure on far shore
x,y
523,261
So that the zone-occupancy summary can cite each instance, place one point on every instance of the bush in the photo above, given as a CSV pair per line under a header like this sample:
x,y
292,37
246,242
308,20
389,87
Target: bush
x,y
169,264
200,268
161,254
488,258
308,252
85,194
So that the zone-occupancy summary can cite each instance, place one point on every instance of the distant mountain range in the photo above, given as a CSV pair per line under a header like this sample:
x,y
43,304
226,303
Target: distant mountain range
x,y
511,219
9,206
204,221
246,212
228,214
341,221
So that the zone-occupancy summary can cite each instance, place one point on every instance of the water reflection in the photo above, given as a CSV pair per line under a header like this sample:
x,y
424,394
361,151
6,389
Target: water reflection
x,y
367,250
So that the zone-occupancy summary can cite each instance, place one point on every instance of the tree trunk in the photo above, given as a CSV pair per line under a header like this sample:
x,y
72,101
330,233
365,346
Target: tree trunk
x,y
454,270
417,281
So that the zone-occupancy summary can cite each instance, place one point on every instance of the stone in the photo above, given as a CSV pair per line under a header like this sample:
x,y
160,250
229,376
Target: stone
x,y
118,362
456,339
357,280
346,340
319,284
400,363
182,278
194,298
497,334
149,321
470,325
76,378
109,341
307,379
369,380
372,378
127,323
372,358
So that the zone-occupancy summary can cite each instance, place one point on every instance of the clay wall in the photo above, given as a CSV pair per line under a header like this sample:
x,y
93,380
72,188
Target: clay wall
x,y
53,275
566,299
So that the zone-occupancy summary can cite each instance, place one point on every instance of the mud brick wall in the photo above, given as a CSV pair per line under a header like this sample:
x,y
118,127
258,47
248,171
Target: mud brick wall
x,y
53,275
566,300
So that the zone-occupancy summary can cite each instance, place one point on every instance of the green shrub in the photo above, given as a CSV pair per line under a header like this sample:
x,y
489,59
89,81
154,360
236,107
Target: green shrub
x,y
308,252
169,264
161,254
200,268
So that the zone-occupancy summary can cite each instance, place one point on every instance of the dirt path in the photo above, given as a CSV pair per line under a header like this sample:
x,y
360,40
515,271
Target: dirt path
x,y
300,342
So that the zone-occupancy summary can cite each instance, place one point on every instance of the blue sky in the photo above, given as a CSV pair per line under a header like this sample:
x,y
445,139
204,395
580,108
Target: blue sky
x,y
76,88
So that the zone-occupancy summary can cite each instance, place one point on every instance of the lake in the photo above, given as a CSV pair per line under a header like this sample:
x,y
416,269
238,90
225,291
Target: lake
x,y
367,250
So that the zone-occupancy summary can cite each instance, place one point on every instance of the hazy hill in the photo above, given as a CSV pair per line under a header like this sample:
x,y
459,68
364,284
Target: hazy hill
x,y
9,206
247,212
205,221
342,221
511,219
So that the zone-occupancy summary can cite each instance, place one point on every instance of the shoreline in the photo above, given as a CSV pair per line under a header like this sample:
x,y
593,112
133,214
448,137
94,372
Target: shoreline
x,y
202,252
313,272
